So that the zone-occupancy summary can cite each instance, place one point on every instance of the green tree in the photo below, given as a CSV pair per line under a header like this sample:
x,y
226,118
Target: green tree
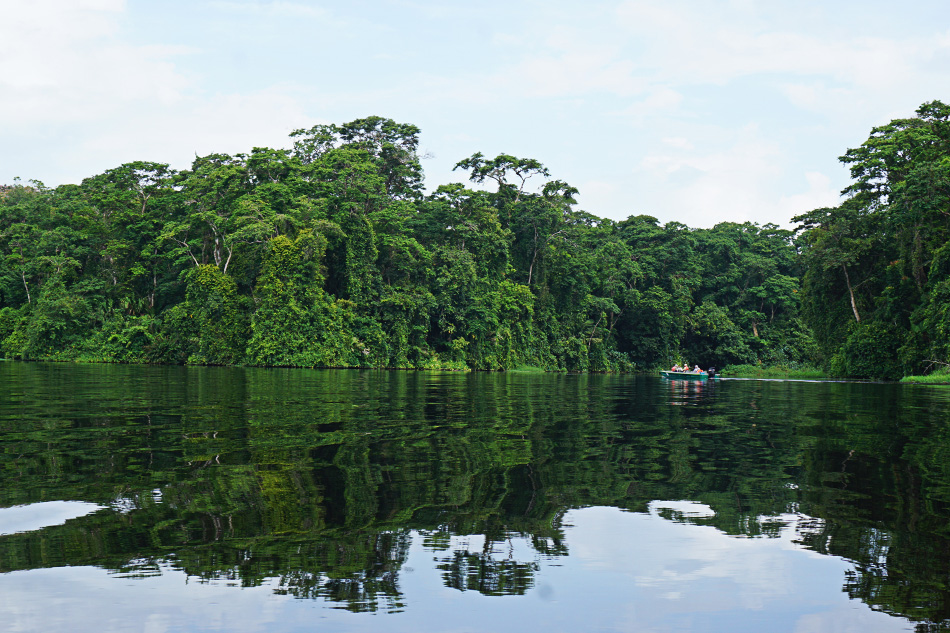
x,y
884,242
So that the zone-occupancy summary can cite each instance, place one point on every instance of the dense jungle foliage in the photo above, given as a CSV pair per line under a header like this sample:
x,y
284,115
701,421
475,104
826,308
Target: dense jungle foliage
x,y
330,254
876,282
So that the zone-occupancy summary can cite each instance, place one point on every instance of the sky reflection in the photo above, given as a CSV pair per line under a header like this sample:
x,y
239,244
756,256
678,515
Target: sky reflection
x,y
624,572
35,516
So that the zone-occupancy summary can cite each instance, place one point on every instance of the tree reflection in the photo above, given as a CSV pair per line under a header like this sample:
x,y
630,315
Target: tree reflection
x,y
317,482
487,574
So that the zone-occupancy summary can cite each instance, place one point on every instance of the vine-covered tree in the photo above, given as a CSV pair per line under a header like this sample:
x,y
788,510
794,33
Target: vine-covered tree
x,y
877,279
330,254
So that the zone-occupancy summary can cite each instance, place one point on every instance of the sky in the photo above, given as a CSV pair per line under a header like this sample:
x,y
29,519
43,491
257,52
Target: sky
x,y
690,111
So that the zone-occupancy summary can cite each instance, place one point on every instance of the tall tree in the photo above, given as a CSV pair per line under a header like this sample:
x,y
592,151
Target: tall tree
x,y
884,241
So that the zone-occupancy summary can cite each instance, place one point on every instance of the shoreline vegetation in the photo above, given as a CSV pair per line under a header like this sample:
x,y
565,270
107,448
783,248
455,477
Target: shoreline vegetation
x,y
730,371
939,377
774,371
334,253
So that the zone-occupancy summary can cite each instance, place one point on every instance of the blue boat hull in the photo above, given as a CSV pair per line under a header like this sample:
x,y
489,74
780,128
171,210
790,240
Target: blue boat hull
x,y
684,375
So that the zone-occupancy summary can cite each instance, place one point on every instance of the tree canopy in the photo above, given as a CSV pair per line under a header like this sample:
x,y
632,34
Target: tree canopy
x,y
331,253
876,276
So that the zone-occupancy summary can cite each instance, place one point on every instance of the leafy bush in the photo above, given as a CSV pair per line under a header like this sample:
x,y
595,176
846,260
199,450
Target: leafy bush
x,y
871,351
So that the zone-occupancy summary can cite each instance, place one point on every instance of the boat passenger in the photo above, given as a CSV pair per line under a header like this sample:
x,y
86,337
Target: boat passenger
x,y
676,368
697,369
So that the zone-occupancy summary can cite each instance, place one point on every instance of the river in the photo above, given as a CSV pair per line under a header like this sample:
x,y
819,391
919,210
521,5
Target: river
x,y
137,498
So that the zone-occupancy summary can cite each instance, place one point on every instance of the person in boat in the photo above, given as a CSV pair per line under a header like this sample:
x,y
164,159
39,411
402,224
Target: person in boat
x,y
676,368
697,370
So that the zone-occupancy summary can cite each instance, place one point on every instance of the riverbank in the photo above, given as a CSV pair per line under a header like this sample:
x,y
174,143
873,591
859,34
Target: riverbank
x,y
939,377
761,371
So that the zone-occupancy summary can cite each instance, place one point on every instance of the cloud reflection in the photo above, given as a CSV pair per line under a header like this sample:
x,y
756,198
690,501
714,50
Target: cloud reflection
x,y
626,571
36,516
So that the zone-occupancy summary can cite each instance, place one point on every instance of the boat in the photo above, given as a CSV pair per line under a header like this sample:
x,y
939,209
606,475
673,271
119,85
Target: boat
x,y
684,375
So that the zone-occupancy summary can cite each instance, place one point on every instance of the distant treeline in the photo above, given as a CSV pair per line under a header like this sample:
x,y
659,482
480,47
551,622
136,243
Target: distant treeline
x,y
331,254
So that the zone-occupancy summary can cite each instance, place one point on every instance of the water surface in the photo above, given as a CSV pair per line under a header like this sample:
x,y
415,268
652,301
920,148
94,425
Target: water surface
x,y
185,499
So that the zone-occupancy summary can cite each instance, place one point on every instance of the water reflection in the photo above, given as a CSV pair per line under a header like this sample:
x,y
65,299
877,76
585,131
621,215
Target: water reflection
x,y
688,391
353,488
626,571
35,516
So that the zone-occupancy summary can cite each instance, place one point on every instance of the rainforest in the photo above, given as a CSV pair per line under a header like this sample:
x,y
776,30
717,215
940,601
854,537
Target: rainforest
x,y
333,252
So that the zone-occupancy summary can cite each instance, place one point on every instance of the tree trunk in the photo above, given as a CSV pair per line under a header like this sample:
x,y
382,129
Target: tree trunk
x,y
533,257
854,306
26,287
590,339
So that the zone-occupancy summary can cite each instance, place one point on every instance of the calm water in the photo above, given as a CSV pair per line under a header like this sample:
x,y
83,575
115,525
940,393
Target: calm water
x,y
208,499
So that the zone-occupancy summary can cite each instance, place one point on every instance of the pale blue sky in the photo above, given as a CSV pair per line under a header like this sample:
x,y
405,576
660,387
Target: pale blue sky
x,y
689,111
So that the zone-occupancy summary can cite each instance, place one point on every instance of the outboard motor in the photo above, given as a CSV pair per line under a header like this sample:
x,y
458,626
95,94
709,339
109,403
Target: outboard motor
x,y
712,372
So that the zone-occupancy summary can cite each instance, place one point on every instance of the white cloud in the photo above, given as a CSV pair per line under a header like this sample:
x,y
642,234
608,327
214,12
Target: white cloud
x,y
678,142
61,62
707,43
103,100
660,102
732,182
705,74
99,5
573,73
747,179
273,9
819,194
221,123
693,43
563,61
645,106
599,194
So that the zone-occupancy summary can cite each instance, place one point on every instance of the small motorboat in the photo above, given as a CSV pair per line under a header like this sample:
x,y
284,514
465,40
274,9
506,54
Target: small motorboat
x,y
684,375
